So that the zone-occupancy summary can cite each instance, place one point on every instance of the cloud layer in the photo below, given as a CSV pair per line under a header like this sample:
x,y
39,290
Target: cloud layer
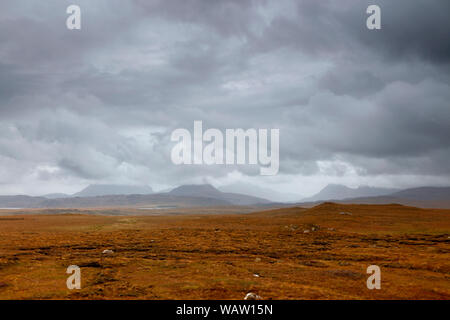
x,y
99,104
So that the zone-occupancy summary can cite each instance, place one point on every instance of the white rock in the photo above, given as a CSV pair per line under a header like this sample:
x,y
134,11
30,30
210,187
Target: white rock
x,y
252,296
108,252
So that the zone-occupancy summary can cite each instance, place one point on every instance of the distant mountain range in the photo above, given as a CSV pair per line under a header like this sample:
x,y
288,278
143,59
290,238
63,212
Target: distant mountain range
x,y
340,192
236,188
95,190
207,195
424,194
110,196
426,197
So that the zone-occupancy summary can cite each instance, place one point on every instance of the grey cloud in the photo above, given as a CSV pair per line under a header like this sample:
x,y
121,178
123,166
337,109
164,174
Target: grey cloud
x,y
418,29
359,83
13,82
99,105
228,18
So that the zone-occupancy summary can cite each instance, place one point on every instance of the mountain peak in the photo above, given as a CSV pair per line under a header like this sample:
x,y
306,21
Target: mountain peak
x,y
195,190
334,186
209,191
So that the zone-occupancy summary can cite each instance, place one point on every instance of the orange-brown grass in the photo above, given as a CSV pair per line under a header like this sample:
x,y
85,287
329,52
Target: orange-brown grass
x,y
217,256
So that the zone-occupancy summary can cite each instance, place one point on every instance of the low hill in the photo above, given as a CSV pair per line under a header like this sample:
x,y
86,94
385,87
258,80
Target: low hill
x,y
425,194
423,197
131,201
366,218
20,201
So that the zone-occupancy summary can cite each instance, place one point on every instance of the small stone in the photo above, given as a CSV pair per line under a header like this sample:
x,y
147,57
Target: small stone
x,y
252,296
108,252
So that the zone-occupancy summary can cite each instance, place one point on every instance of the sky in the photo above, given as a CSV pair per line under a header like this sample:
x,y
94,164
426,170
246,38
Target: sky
x,y
98,105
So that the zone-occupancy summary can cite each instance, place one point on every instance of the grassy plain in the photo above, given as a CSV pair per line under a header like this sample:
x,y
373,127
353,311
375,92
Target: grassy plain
x,y
290,253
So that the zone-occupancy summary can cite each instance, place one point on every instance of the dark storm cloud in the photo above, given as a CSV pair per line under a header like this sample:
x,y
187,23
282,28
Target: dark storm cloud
x,y
99,104
410,29
420,28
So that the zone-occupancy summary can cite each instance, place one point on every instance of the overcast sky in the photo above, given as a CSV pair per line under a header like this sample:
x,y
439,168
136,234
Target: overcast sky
x,y
98,105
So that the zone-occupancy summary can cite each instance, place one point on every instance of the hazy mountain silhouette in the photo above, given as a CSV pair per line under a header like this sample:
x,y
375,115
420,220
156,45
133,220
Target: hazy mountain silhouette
x,y
340,192
103,196
424,197
260,192
95,190
56,195
424,194
196,190
208,191
207,195
20,201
